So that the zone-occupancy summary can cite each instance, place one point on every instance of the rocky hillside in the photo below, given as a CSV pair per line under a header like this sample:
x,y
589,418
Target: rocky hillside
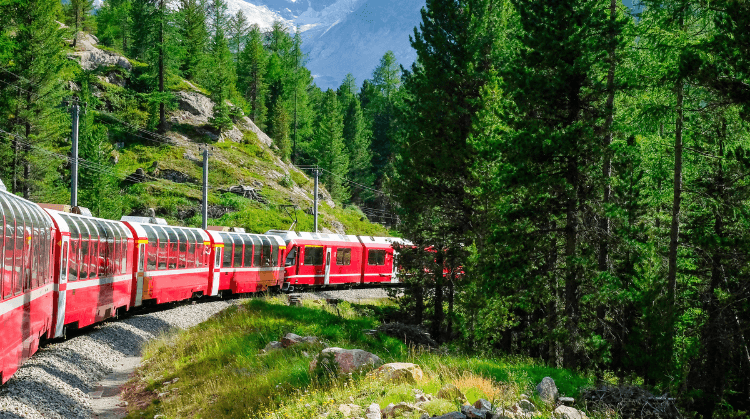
x,y
250,186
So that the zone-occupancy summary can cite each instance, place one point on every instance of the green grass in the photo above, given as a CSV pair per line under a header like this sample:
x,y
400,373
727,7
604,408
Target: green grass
x,y
224,374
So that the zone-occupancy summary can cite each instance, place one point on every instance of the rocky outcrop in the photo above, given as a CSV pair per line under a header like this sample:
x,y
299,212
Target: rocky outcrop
x,y
193,108
345,361
90,57
452,393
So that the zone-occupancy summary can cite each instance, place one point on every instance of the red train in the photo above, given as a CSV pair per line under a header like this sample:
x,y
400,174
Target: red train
x,y
61,270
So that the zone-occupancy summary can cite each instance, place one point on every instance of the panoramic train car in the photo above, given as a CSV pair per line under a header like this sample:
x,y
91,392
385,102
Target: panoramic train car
x,y
26,286
249,262
172,263
321,259
93,270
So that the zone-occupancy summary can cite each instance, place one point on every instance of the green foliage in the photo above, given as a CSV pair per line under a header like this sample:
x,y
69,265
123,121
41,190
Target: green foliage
x,y
330,151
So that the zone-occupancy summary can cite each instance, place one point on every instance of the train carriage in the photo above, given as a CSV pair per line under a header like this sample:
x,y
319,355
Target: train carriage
x,y
26,286
173,263
248,262
379,263
93,272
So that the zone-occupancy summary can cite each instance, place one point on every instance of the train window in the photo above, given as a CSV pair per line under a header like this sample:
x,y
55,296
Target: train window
x,y
19,272
257,251
124,254
227,260
34,253
152,248
9,256
162,247
344,256
173,242
291,258
267,251
190,255
198,249
2,252
313,255
182,248
75,257
83,265
376,257
274,254
248,251
237,241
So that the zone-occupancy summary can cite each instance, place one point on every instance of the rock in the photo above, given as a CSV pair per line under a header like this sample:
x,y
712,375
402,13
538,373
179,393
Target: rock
x,y
196,106
452,415
249,125
411,334
273,345
547,390
526,406
292,339
567,412
420,397
567,401
347,360
452,393
483,404
388,410
373,412
349,410
404,407
472,412
91,57
399,371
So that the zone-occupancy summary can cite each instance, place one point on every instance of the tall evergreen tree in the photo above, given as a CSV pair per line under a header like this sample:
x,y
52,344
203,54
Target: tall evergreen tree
x,y
251,76
329,150
221,79
381,97
238,29
357,137
32,108
113,21
78,14
194,36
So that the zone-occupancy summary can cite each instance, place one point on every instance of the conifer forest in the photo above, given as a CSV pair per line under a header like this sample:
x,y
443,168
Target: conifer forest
x,y
581,167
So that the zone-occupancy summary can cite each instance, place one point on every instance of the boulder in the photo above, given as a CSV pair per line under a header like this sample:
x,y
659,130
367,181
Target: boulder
x,y
194,107
452,393
526,406
350,410
472,412
483,404
567,401
567,412
547,390
373,412
399,371
452,415
346,360
404,407
292,339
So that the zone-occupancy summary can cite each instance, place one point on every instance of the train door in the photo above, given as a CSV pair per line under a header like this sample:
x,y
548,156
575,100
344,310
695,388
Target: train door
x,y
217,269
140,272
62,283
327,278
394,273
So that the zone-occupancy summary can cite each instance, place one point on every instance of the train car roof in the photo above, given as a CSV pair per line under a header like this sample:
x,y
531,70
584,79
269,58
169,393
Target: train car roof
x,y
290,236
16,203
58,216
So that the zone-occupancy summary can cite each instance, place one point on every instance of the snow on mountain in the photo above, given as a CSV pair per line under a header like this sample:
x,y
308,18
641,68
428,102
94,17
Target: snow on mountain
x,y
342,36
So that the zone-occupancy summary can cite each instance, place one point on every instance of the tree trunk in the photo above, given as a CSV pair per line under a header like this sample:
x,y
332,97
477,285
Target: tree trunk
x,y
162,110
570,356
607,164
450,305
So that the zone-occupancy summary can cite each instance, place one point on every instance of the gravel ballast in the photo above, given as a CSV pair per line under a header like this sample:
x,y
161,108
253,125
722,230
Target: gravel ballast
x,y
57,380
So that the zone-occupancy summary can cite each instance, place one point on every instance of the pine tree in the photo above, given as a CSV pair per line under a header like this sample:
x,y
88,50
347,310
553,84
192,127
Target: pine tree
x,y
32,105
78,14
113,23
382,95
194,35
357,139
238,29
221,80
251,76
280,133
330,150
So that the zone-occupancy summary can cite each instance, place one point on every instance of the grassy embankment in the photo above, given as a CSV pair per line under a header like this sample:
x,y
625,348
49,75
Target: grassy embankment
x,y
223,373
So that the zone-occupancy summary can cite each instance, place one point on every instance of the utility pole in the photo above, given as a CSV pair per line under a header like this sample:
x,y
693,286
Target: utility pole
x,y
315,200
74,160
204,210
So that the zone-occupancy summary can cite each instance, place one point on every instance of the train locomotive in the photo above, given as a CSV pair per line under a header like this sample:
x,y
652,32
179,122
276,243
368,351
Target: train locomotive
x,y
62,271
